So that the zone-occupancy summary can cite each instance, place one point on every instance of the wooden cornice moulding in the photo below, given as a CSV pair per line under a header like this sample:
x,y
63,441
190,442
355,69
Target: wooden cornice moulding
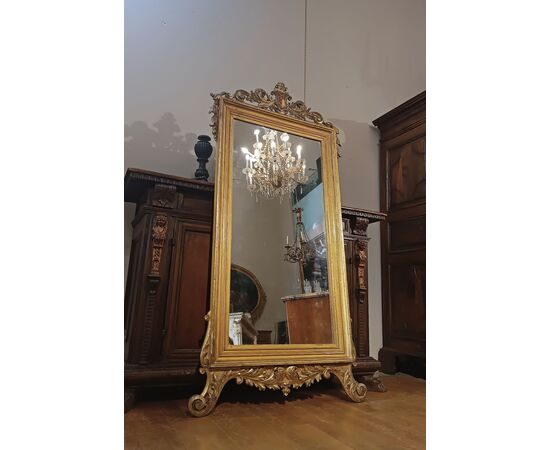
x,y
136,181
373,216
411,107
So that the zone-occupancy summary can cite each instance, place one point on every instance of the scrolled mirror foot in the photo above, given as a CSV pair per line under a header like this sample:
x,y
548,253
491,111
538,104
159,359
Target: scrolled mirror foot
x,y
202,404
355,391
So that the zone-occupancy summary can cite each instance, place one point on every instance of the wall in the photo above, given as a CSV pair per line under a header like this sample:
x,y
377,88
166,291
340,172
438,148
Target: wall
x,y
364,57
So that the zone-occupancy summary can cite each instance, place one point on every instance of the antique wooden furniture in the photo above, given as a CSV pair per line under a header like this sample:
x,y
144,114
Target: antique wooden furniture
x,y
159,368
308,318
168,278
403,236
239,229
355,225
264,337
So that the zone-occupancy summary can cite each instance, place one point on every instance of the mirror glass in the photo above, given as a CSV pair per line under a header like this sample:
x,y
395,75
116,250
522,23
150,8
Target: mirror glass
x,y
279,280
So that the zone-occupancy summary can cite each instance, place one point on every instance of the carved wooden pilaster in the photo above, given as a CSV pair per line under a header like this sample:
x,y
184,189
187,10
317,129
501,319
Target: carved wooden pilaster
x,y
362,288
361,256
159,230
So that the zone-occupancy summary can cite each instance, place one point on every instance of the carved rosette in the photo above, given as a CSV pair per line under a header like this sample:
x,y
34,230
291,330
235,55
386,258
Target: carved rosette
x,y
278,101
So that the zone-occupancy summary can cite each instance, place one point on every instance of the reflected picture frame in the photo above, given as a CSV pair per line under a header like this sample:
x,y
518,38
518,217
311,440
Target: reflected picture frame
x,y
247,275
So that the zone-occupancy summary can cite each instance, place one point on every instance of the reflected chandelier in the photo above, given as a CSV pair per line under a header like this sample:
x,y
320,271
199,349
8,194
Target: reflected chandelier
x,y
271,169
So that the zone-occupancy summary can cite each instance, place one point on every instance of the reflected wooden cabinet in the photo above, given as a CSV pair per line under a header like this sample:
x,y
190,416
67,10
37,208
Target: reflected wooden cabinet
x,y
403,236
308,318
167,290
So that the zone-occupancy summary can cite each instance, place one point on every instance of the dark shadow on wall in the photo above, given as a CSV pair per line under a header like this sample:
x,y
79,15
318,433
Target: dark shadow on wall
x,y
161,147
165,135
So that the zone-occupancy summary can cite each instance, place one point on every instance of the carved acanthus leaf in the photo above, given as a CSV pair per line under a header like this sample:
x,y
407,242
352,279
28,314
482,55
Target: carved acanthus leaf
x,y
356,391
277,378
206,349
282,378
278,101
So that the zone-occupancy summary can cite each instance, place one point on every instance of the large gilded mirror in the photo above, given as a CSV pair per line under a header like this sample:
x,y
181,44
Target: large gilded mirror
x,y
279,311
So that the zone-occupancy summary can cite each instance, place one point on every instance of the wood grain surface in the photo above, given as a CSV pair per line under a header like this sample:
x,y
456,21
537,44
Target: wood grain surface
x,y
320,417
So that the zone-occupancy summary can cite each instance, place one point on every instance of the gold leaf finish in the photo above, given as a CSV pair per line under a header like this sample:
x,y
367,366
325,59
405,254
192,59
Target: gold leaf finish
x,y
278,367
356,391
206,349
282,378
278,101
202,404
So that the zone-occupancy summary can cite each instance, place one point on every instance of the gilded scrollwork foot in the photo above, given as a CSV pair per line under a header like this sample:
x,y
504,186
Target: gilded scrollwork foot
x,y
203,404
355,390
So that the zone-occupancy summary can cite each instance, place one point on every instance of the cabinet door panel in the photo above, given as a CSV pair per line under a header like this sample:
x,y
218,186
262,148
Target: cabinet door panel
x,y
188,294
408,300
407,171
407,234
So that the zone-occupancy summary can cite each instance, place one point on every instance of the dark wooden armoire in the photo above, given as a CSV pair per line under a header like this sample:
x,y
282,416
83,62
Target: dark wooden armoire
x,y
167,290
167,293
403,236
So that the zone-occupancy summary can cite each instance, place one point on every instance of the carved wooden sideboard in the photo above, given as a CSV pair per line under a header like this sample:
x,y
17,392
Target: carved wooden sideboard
x,y
403,236
167,289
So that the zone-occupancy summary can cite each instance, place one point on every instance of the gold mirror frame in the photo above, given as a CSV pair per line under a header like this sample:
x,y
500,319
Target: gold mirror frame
x,y
273,366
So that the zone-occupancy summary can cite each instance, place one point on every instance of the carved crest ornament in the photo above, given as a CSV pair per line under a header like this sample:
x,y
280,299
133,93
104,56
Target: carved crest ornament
x,y
278,101
271,372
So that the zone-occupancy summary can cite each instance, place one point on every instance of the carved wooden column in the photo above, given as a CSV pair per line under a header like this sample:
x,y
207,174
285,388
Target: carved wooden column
x,y
355,225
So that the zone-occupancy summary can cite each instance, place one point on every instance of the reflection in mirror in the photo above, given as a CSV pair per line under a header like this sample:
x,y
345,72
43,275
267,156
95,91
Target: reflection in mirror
x,y
279,280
